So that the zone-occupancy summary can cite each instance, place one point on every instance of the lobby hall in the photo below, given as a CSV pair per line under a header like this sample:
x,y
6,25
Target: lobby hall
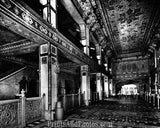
x,y
95,63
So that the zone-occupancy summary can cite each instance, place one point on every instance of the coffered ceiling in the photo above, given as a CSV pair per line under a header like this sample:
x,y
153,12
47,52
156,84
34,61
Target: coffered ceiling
x,y
128,22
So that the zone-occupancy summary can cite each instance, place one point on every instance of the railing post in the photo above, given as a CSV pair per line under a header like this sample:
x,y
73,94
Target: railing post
x,y
64,100
153,99
158,101
23,105
43,105
146,96
79,98
149,98
72,100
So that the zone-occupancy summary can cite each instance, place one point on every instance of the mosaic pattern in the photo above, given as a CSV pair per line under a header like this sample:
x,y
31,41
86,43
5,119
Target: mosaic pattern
x,y
120,113
128,20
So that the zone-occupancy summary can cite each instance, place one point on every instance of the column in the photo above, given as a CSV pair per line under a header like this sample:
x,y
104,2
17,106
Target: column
x,y
85,83
111,87
98,52
85,76
156,75
49,11
99,85
49,69
85,41
106,86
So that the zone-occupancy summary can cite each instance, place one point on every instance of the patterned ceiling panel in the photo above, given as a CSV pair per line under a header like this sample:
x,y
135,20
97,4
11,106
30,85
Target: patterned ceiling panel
x,y
128,20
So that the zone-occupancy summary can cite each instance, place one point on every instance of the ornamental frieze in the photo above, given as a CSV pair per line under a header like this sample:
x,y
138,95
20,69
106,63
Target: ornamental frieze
x,y
23,22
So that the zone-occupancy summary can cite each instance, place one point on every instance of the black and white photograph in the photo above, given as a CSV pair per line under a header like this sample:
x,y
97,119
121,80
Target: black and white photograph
x,y
79,63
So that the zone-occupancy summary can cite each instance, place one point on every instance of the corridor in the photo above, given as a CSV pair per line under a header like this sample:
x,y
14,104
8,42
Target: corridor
x,y
124,112
80,63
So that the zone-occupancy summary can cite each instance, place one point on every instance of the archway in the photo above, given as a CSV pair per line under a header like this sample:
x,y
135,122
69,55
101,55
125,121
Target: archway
x,y
129,89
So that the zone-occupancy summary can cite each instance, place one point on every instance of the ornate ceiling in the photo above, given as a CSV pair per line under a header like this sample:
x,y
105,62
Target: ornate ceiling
x,y
128,22
8,36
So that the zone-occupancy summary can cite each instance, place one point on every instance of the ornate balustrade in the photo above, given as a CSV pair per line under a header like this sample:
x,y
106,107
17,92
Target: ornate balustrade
x,y
18,112
71,101
153,99
33,109
20,19
9,113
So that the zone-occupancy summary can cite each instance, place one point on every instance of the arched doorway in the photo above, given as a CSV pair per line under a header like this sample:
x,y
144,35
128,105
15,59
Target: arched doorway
x,y
129,90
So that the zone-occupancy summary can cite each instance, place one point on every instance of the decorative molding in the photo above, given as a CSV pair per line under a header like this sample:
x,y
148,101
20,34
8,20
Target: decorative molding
x,y
20,20
125,70
18,61
53,50
93,20
44,60
127,21
69,67
43,48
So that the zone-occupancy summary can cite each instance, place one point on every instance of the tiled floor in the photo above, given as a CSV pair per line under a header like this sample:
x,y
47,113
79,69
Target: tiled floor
x,y
110,113
38,124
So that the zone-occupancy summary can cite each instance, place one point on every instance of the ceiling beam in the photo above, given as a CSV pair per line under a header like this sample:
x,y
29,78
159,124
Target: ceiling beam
x,y
18,47
18,60
19,18
107,25
153,23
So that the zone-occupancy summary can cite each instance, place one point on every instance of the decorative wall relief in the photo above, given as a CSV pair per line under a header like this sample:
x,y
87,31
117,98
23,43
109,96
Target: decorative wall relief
x,y
33,110
130,69
9,115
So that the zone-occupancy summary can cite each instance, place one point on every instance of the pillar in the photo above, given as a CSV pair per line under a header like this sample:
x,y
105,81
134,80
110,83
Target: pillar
x,y
49,69
85,83
156,74
99,85
98,52
110,87
49,11
85,76
106,86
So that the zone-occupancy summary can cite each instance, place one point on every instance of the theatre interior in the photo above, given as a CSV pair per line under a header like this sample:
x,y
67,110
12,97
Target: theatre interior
x,y
84,63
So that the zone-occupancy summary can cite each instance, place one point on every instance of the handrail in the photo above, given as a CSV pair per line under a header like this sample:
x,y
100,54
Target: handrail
x,y
13,73
8,101
34,98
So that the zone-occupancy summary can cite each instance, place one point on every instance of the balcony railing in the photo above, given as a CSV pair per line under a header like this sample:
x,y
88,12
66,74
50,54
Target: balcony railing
x,y
18,112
